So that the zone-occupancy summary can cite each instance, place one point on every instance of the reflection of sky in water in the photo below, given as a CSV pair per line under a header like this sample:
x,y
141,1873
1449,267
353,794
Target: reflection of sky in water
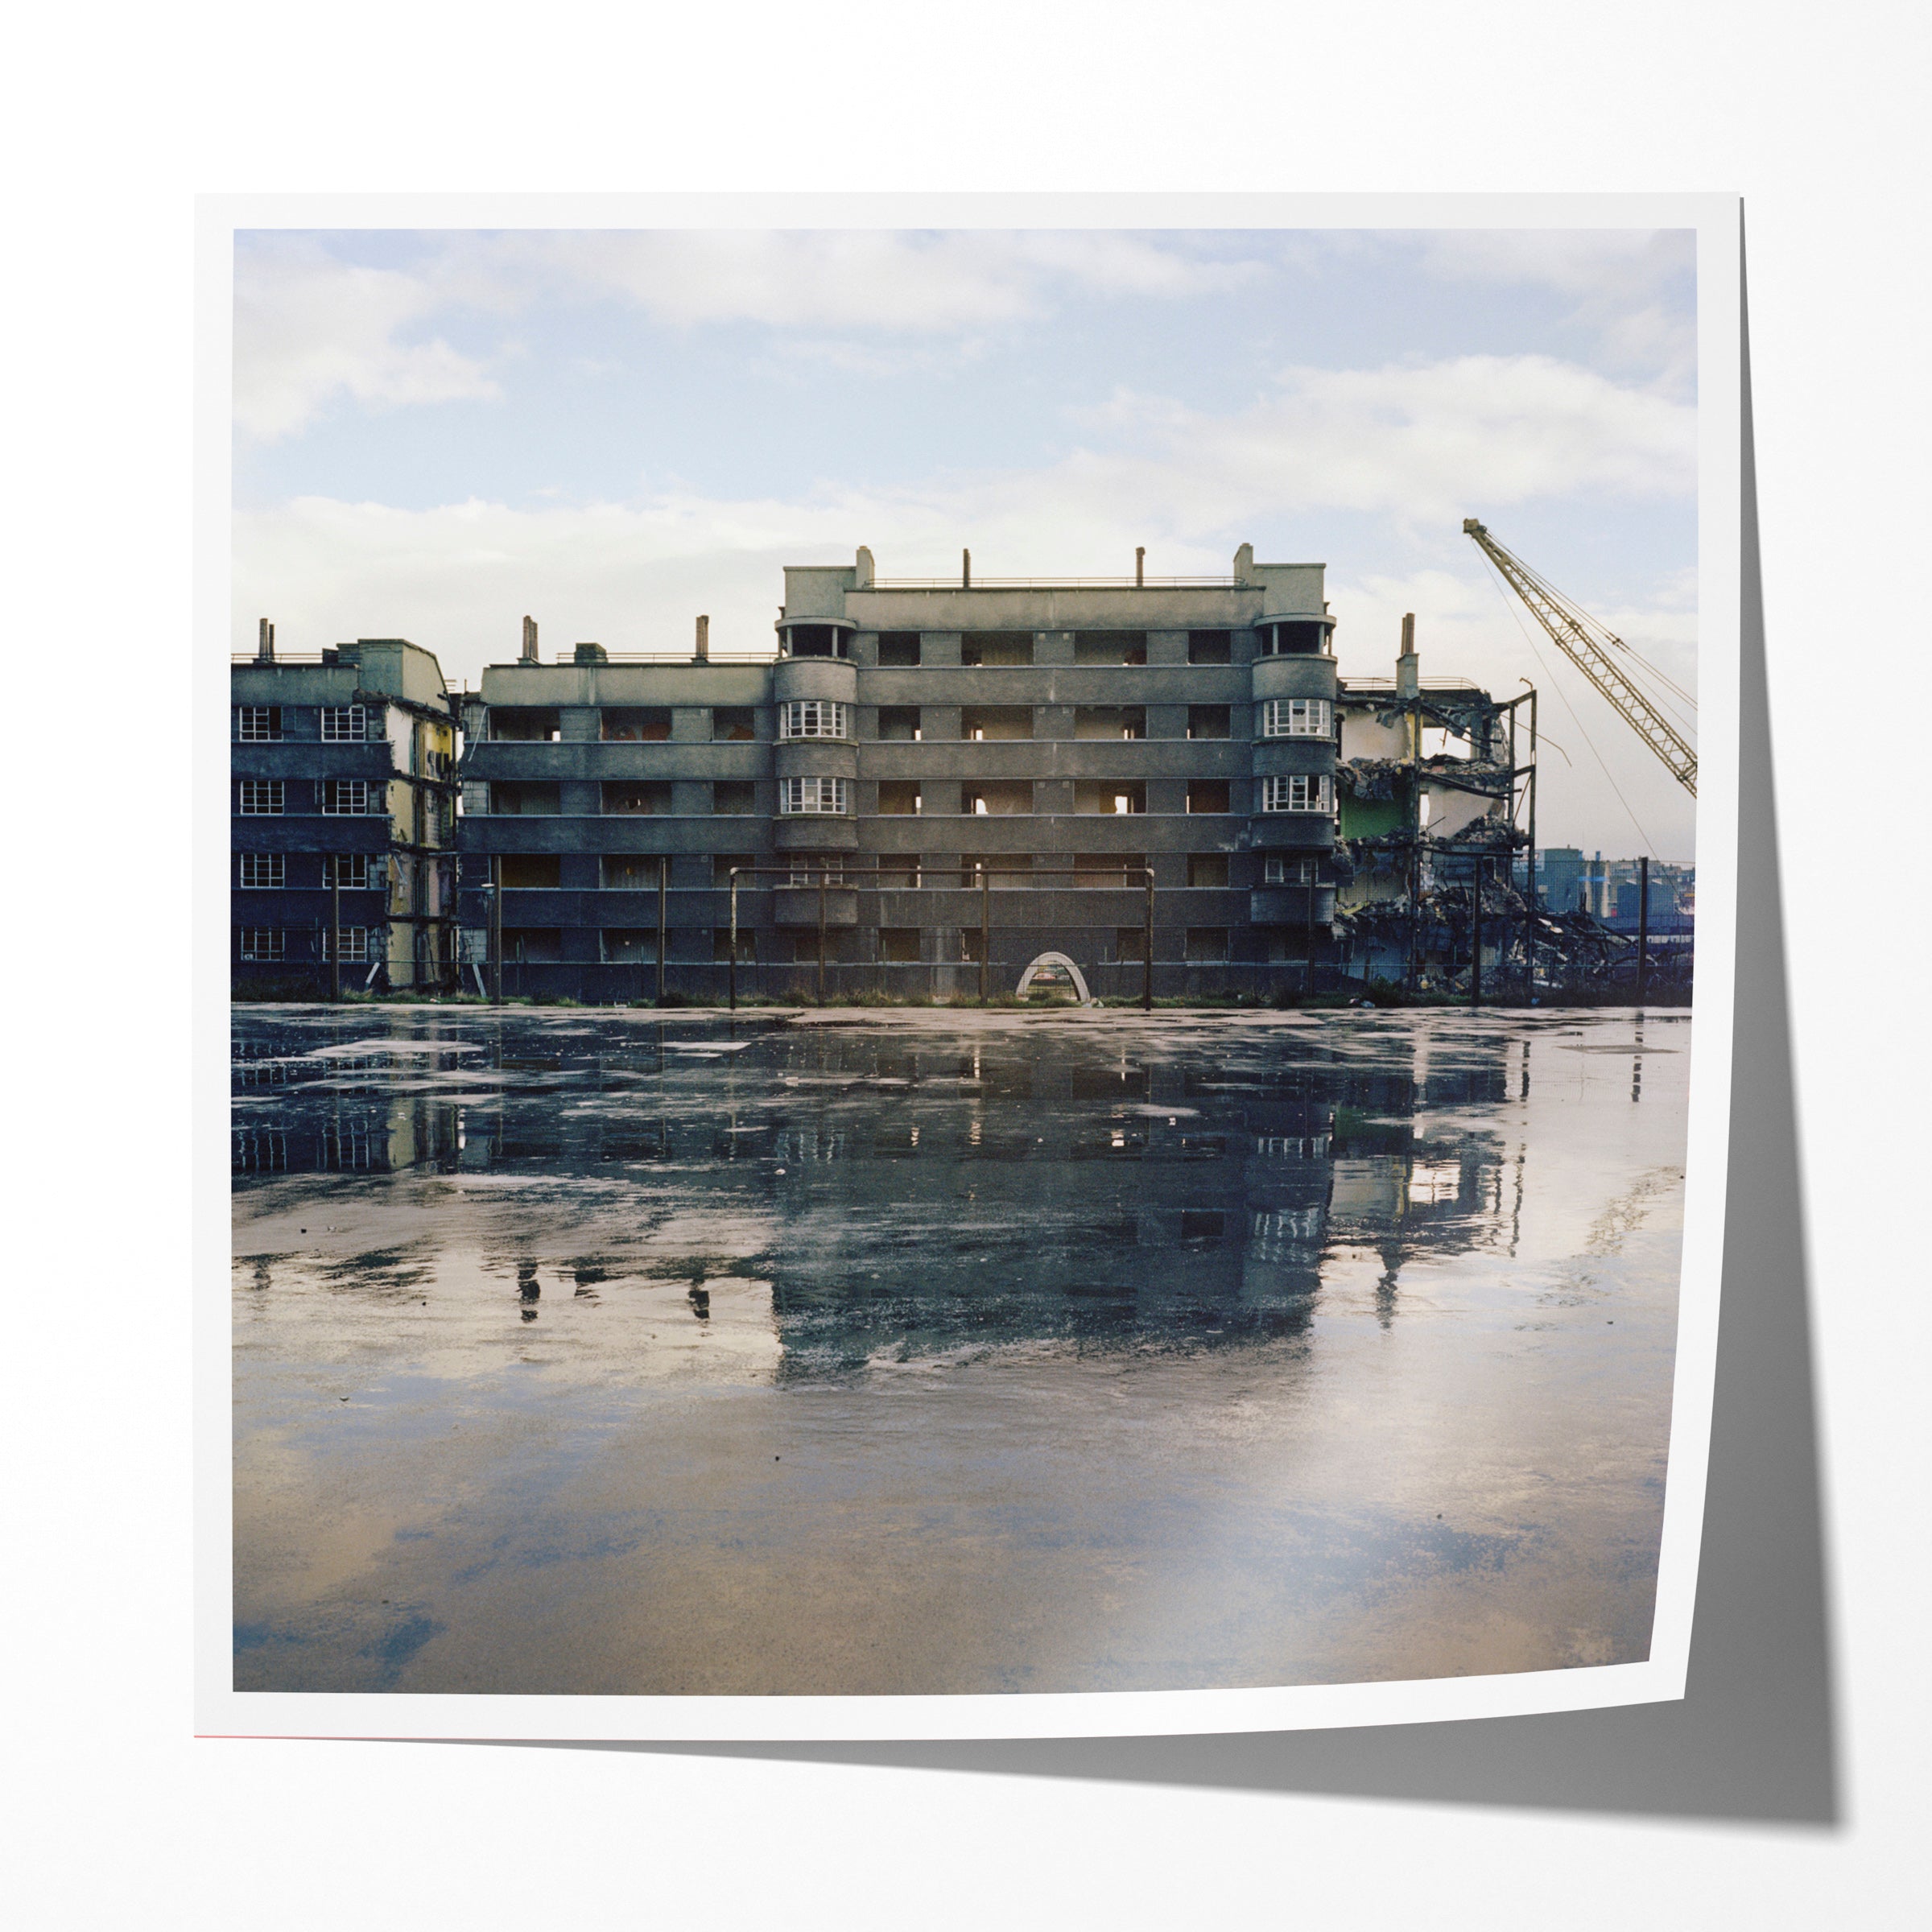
x,y
948,1352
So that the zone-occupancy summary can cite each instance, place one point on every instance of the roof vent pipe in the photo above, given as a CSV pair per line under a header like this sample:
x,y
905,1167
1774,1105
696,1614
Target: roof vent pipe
x,y
704,643
966,570
1139,565
530,640
265,642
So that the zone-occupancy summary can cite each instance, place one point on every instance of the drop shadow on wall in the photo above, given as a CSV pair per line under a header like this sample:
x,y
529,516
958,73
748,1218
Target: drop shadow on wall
x,y
1754,1737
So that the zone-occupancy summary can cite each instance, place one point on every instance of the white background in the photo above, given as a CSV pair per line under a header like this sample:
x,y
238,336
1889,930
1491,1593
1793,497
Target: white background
x,y
118,116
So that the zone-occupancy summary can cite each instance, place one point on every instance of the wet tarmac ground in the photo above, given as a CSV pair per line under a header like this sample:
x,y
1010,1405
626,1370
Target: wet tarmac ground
x,y
936,1351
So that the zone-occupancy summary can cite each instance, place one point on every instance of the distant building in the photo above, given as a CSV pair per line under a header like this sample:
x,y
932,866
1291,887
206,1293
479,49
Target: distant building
x,y
911,740
342,794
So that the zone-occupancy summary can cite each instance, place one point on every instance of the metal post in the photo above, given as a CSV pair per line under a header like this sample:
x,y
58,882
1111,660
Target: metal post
x,y
1415,840
1475,938
985,926
663,869
1147,949
335,931
732,972
1643,927
821,938
496,930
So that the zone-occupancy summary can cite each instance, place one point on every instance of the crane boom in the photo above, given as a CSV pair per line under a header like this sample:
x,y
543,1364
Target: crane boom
x,y
1568,628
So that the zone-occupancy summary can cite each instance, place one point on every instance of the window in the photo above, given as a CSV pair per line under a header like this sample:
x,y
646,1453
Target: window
x,y
523,724
813,718
980,722
629,946
1299,637
1207,721
344,724
1110,647
259,723
1207,869
1206,945
1298,791
898,797
999,869
1279,869
262,871
633,726
531,871
734,797
899,722
1210,647
1115,870
355,945
264,942
899,945
1207,794
1007,647
345,797
1110,720
720,946
1130,943
261,797
899,650
629,872
814,794
997,798
1297,718
815,640
351,871
733,724
898,872
533,945
635,799
809,868
1108,796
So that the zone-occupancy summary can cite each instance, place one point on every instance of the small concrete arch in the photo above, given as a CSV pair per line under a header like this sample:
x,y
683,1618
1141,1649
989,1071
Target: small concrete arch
x,y
1046,962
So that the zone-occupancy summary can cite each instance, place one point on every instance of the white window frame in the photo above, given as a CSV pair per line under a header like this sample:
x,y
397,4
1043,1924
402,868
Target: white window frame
x,y
353,943
365,862
1297,718
269,717
1275,870
807,867
814,718
260,799
256,863
1300,792
344,725
263,943
360,788
830,796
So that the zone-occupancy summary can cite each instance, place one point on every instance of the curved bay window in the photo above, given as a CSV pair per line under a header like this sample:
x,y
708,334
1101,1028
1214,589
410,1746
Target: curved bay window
x,y
814,794
1292,637
1297,718
815,640
1299,791
814,718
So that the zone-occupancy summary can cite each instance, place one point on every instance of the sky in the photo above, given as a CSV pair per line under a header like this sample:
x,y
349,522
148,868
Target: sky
x,y
435,433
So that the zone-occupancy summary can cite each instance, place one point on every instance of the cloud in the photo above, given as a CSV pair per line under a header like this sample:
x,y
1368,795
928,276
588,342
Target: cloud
x,y
310,329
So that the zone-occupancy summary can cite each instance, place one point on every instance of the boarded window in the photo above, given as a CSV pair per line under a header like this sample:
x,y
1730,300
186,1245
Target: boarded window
x,y
629,946
533,945
531,871
637,725
994,647
899,650
899,945
629,872
636,797
1207,794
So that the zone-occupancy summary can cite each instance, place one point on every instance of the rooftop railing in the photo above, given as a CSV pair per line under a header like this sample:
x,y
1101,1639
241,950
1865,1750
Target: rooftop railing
x,y
1059,584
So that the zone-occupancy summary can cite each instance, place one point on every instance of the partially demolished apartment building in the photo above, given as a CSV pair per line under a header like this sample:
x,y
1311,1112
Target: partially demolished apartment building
x,y
342,790
927,770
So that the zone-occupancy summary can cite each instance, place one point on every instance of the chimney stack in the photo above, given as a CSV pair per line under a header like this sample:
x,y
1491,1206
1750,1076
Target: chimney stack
x,y
1408,680
265,642
704,646
530,640
1139,565
966,570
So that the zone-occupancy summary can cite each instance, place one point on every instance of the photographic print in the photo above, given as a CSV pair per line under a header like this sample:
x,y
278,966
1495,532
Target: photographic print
x,y
961,959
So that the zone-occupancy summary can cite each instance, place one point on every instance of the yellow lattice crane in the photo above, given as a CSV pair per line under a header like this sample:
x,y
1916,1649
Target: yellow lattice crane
x,y
1594,650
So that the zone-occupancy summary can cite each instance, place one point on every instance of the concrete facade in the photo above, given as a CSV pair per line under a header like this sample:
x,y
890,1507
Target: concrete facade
x,y
342,798
910,743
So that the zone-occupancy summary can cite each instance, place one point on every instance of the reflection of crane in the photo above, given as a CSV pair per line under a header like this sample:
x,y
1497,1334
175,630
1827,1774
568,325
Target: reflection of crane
x,y
1584,641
